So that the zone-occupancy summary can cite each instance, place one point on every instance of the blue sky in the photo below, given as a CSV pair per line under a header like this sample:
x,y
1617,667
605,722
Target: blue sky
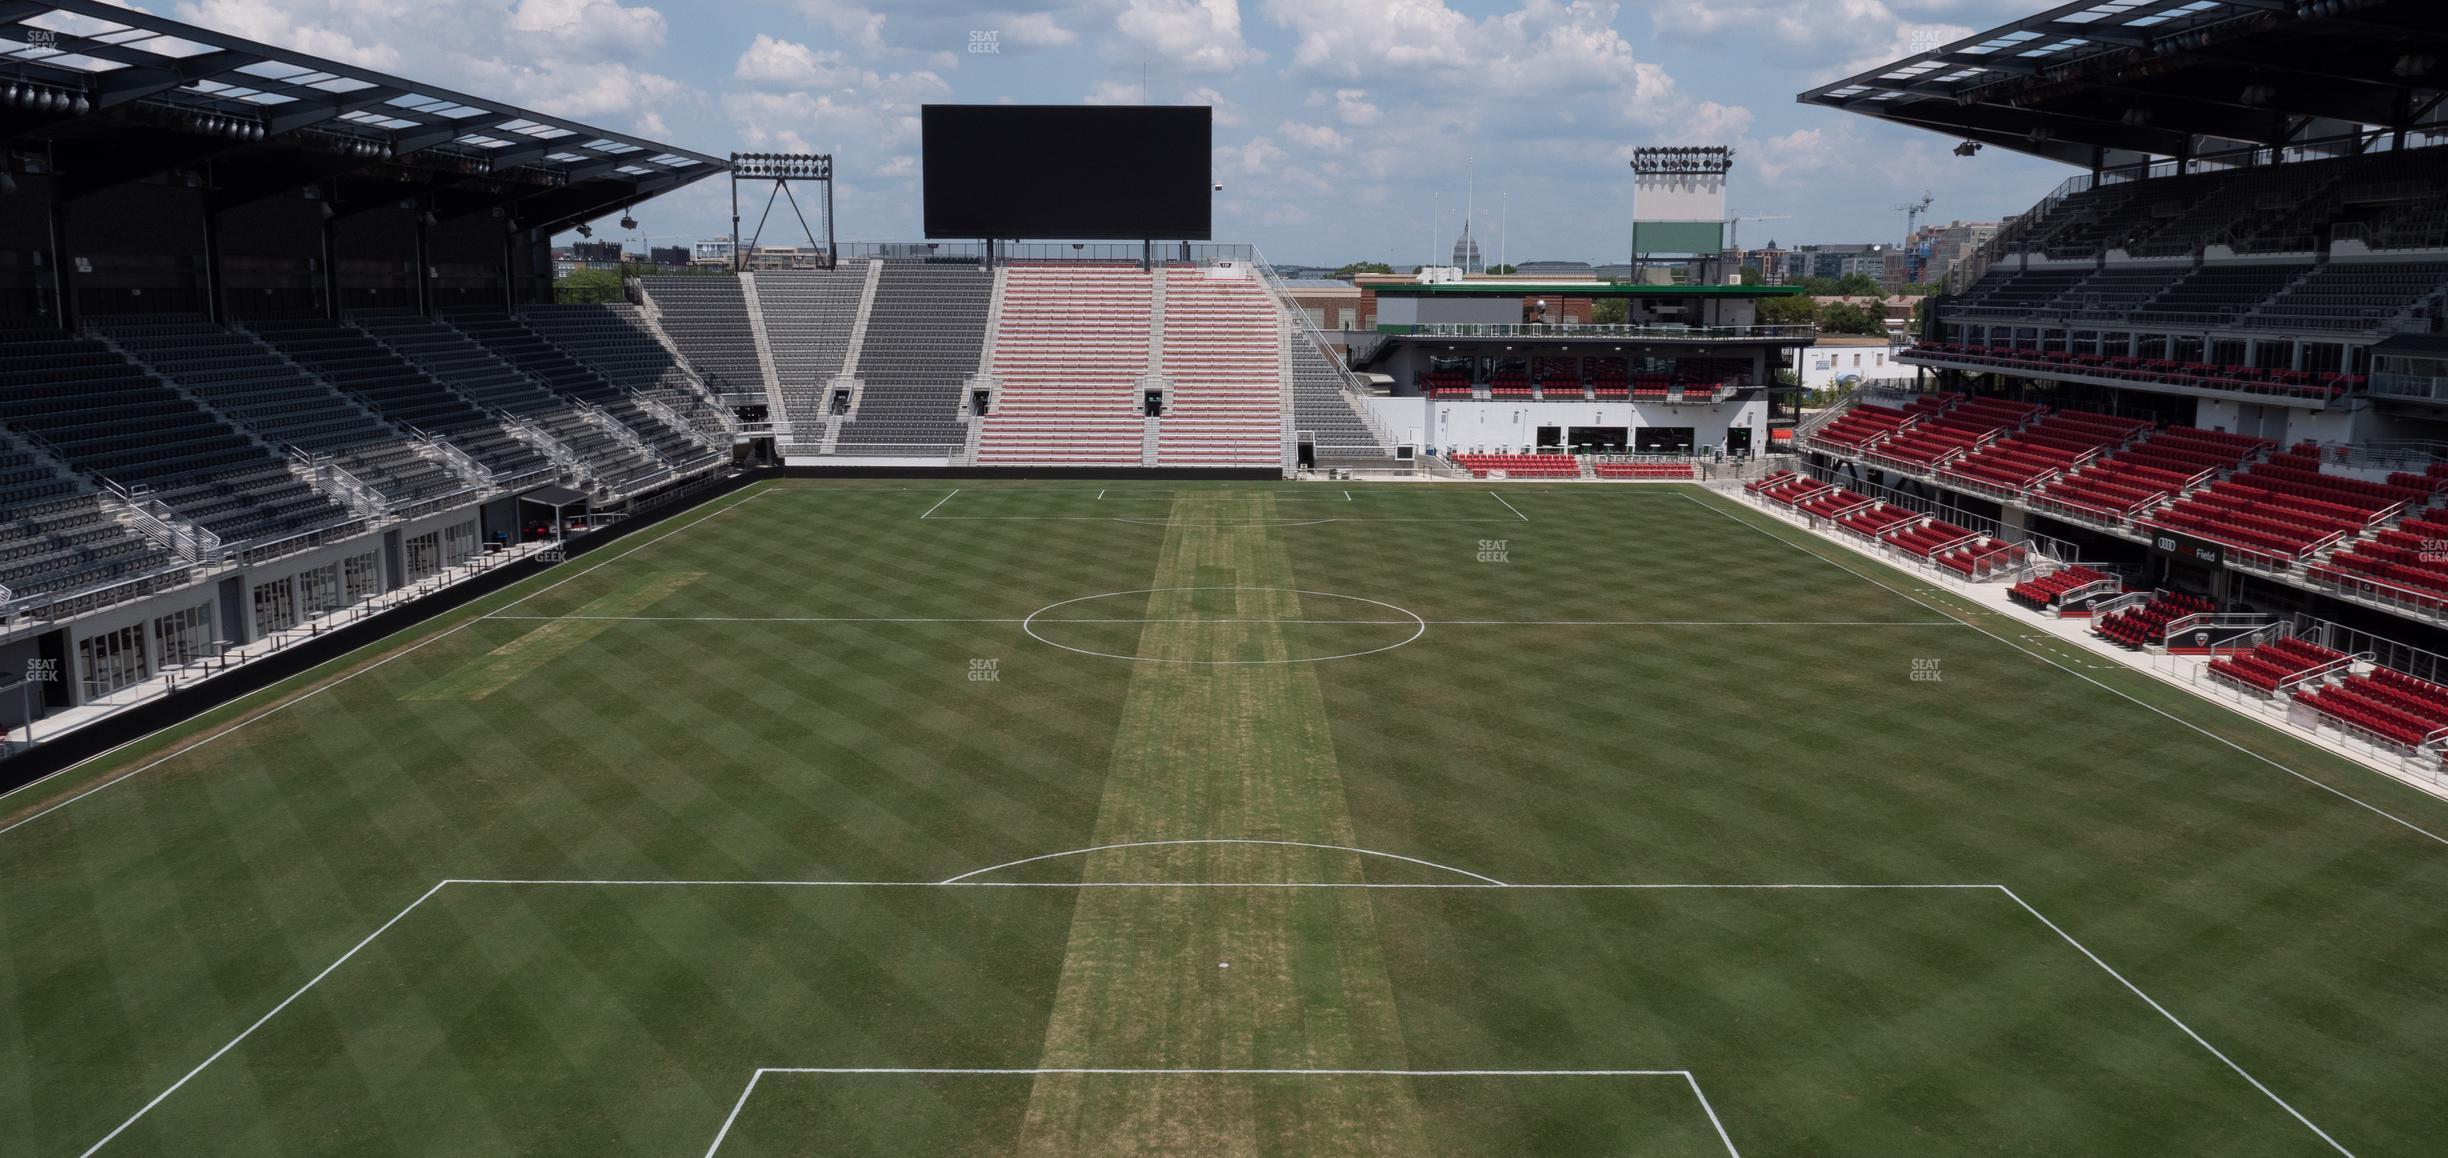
x,y
1339,122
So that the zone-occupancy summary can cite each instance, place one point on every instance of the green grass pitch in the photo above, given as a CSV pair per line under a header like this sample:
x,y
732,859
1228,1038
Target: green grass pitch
x,y
1266,812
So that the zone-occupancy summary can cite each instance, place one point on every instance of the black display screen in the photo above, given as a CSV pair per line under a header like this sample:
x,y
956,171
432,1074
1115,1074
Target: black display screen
x,y
1113,172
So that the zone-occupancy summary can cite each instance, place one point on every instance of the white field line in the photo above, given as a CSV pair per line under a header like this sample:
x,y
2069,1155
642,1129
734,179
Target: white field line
x,y
1125,1071
1711,1111
2176,1021
1221,840
2154,709
948,498
1329,622
2010,894
311,693
1510,507
259,1022
1152,522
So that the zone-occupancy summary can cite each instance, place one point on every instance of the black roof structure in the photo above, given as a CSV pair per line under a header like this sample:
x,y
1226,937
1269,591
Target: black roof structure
x,y
105,95
2171,78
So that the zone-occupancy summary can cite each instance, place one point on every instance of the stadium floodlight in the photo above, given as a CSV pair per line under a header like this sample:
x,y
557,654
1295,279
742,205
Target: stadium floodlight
x,y
1967,148
628,223
585,230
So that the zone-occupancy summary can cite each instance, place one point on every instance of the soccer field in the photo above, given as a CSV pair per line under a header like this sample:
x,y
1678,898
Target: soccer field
x,y
1063,818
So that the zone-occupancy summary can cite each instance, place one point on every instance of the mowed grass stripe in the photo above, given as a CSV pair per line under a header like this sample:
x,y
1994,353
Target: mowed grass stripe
x,y
550,642
1223,978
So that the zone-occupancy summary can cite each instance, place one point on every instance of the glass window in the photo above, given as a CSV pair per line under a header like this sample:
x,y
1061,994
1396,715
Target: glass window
x,y
424,555
184,636
357,578
112,660
276,607
319,590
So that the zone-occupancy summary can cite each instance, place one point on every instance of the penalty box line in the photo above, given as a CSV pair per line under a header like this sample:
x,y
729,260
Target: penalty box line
x,y
429,894
1119,1071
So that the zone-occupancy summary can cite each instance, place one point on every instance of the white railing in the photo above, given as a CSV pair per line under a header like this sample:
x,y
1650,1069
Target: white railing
x,y
459,462
617,432
323,473
155,520
560,455
1651,332
1355,393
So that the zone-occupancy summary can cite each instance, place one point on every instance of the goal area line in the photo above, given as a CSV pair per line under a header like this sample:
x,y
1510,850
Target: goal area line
x,y
755,1079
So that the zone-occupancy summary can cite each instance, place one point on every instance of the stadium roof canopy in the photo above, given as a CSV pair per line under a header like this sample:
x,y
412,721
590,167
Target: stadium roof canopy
x,y
110,95
2170,78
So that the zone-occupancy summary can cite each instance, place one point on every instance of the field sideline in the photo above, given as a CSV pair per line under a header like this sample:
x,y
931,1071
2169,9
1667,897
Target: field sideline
x,y
1080,818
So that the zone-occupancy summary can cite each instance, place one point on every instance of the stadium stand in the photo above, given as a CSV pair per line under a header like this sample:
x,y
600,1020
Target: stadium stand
x,y
358,365
1070,349
2049,591
1785,487
1961,427
250,383
2145,625
1928,537
540,417
2395,707
808,316
646,388
1675,471
1865,425
107,417
624,461
1224,347
2284,509
924,334
1876,519
2147,473
1546,466
1322,408
707,318
2271,666
2056,445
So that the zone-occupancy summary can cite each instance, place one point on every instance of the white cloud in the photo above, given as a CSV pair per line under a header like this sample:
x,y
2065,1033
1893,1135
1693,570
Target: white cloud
x,y
1036,30
1199,36
1227,115
1319,138
860,27
603,24
565,57
1353,107
785,64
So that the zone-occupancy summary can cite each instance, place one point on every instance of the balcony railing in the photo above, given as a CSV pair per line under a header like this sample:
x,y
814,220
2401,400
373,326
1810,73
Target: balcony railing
x,y
1653,332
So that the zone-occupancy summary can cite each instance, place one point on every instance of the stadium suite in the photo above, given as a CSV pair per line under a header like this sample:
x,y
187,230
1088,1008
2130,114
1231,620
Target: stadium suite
x,y
1061,685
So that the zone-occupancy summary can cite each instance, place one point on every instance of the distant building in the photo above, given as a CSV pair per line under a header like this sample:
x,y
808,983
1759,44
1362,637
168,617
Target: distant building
x,y
1466,251
1776,263
1334,305
713,251
1555,270
1848,360
668,255
1840,261
1940,247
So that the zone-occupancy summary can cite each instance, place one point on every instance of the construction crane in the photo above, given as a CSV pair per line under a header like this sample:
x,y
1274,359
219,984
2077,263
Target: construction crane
x,y
1734,227
1912,211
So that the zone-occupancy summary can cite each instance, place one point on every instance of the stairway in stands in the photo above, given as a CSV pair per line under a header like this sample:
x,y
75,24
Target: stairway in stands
x,y
924,335
808,316
483,373
1224,354
284,404
1070,348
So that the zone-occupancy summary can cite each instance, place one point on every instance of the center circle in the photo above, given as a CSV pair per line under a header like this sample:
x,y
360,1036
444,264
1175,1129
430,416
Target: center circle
x,y
1049,617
